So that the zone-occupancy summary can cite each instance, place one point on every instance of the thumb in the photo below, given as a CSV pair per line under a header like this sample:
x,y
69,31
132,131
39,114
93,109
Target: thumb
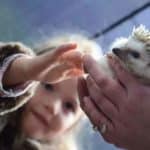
x,y
121,73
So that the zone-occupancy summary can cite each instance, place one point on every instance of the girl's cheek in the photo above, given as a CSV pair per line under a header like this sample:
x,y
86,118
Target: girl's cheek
x,y
67,119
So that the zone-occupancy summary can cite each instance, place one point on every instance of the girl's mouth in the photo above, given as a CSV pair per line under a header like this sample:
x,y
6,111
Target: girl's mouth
x,y
40,117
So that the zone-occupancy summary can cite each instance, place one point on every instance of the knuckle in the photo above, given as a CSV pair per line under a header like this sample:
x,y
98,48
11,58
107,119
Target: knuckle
x,y
99,102
94,118
102,81
111,129
109,112
93,114
140,92
128,110
102,104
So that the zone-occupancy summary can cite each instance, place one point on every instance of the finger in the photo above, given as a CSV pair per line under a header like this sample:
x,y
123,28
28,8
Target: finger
x,y
96,117
82,89
75,72
64,48
103,103
47,59
109,86
122,74
73,57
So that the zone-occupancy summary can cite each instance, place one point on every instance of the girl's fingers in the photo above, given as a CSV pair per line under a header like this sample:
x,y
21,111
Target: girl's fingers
x,y
42,62
48,59
63,49
75,72
56,74
72,57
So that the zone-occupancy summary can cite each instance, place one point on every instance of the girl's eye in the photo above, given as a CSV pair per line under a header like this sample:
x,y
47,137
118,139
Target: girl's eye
x,y
48,87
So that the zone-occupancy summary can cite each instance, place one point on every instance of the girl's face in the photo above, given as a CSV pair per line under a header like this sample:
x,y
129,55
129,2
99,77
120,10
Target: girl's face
x,y
53,110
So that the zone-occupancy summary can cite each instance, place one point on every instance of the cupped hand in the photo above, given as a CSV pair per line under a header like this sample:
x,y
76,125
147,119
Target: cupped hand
x,y
122,104
56,65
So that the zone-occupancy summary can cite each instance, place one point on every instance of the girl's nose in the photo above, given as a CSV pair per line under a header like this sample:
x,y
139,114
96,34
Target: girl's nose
x,y
53,108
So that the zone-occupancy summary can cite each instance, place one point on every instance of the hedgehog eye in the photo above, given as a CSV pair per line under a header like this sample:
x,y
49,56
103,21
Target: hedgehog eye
x,y
134,54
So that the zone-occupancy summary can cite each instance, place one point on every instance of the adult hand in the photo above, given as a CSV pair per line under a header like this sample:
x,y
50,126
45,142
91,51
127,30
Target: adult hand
x,y
121,104
53,66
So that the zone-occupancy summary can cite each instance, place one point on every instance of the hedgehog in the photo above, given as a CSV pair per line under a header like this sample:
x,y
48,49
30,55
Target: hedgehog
x,y
133,52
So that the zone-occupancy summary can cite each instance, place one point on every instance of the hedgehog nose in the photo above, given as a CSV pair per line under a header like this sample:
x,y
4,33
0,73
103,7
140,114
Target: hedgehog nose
x,y
116,51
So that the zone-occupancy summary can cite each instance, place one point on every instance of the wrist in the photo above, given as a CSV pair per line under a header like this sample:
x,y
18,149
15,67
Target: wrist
x,y
16,72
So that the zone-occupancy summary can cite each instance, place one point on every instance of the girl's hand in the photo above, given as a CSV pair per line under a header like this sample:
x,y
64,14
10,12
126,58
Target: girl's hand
x,y
56,65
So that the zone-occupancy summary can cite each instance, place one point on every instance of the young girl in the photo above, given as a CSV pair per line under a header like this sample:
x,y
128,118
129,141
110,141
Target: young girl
x,y
49,117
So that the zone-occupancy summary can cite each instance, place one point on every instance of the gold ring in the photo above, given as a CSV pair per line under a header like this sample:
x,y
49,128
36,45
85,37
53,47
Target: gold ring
x,y
102,128
95,128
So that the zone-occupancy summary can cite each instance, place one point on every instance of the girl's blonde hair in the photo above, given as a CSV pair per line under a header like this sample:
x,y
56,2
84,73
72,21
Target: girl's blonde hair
x,y
84,44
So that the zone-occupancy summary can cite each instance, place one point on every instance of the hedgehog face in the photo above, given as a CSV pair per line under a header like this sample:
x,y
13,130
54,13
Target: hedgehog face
x,y
135,54
137,60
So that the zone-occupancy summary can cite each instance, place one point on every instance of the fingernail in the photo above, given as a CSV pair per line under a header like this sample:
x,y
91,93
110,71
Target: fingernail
x,y
109,56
